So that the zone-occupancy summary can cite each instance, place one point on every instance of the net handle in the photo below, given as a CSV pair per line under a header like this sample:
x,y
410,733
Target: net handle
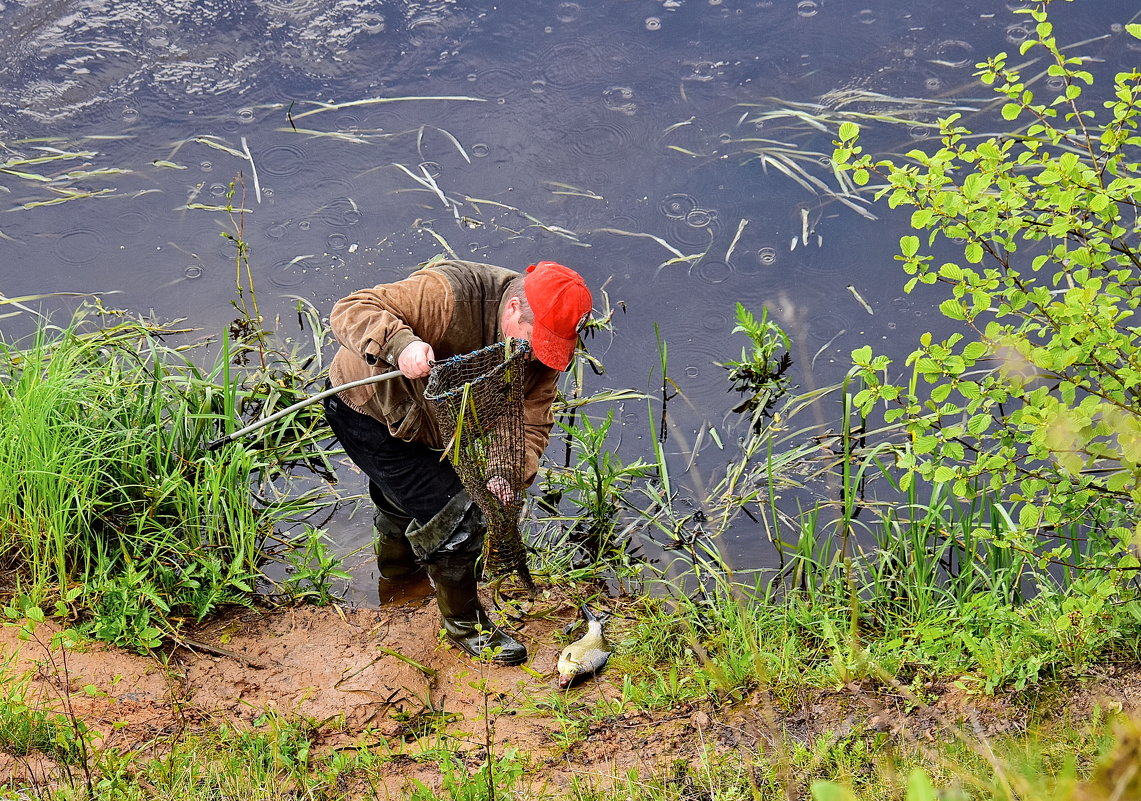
x,y
214,445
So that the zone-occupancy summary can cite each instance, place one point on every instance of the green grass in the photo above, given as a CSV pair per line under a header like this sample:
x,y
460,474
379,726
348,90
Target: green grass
x,y
110,502
277,756
117,517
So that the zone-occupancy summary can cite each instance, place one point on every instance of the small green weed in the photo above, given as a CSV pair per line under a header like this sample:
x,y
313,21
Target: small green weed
x,y
496,778
595,487
760,376
312,569
27,727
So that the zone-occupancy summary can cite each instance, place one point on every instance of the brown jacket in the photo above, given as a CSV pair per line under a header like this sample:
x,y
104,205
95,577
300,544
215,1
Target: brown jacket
x,y
454,306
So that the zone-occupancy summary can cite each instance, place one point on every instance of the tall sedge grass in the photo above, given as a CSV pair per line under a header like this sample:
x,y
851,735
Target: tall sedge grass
x,y
875,577
108,500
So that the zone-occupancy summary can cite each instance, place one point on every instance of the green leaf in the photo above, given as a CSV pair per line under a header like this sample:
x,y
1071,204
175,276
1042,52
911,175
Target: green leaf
x,y
1134,30
975,350
925,444
974,185
973,252
1028,517
1011,111
944,474
919,787
1119,481
950,271
909,245
849,131
978,424
920,218
952,309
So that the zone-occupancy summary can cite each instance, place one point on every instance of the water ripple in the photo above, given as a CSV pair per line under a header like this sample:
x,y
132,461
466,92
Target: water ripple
x,y
131,222
79,245
281,160
822,325
620,99
1017,33
581,63
428,32
953,53
332,186
712,271
568,12
807,8
687,237
497,82
341,211
291,273
716,322
103,52
600,141
677,205
701,218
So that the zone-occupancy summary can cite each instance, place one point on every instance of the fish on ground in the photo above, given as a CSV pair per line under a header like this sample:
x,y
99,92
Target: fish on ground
x,y
585,656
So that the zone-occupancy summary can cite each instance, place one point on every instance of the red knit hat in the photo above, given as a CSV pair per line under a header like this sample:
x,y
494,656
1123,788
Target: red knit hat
x,y
561,304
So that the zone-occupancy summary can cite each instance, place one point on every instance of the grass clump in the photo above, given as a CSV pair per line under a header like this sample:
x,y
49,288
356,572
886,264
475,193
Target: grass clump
x,y
111,503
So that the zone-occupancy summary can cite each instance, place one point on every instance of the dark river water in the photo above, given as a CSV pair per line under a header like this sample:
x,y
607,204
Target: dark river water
x,y
612,136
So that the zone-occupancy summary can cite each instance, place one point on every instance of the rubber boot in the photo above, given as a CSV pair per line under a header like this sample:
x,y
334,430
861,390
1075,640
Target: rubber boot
x,y
451,566
465,621
395,558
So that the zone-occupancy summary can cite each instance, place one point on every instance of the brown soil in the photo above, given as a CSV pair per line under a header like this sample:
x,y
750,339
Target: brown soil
x,y
353,673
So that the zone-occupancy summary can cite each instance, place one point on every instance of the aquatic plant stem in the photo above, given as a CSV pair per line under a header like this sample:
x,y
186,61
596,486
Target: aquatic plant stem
x,y
372,379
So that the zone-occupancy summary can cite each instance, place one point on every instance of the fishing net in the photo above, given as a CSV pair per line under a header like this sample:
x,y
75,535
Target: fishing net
x,y
478,397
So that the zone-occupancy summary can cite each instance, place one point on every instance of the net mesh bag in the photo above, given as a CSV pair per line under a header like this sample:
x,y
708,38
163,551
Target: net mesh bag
x,y
477,400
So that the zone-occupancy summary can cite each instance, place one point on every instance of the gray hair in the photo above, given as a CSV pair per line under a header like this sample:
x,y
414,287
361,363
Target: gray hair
x,y
515,290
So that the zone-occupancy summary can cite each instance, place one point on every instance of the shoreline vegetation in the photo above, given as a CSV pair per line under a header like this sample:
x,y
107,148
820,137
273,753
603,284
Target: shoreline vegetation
x,y
954,613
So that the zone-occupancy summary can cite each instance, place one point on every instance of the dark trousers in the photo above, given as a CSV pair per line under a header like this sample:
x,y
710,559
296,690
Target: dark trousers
x,y
414,478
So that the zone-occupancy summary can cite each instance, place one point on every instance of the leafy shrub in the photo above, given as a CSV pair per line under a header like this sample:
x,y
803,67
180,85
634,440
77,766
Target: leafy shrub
x,y
1039,400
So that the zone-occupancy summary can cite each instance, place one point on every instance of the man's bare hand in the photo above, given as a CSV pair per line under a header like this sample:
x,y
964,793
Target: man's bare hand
x,y
501,489
415,360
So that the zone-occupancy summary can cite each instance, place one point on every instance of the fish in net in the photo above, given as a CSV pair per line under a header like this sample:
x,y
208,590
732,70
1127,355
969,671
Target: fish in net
x,y
478,397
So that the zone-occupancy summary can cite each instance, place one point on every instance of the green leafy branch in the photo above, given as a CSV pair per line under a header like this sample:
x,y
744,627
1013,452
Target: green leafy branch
x,y
1038,400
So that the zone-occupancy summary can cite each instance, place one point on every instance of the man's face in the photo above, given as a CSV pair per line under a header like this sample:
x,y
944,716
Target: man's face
x,y
512,324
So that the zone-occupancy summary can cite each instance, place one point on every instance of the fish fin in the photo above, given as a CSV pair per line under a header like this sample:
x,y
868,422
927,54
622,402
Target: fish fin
x,y
569,627
601,616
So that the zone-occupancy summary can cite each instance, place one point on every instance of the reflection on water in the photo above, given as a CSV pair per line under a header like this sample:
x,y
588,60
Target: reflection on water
x,y
541,130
